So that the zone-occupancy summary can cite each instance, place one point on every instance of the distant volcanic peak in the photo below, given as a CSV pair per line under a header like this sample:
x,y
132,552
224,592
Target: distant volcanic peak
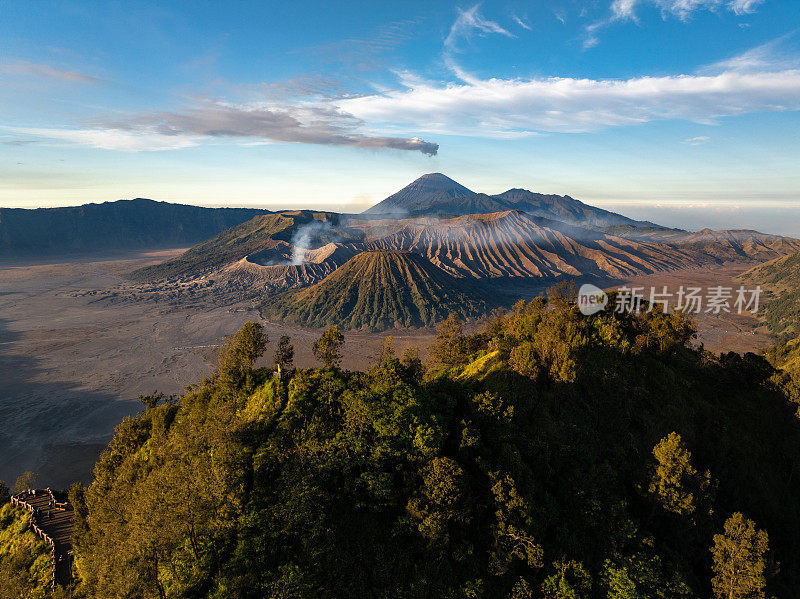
x,y
436,194
515,192
420,195
439,182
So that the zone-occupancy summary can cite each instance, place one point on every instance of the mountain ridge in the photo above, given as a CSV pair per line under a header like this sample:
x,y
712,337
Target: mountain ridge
x,y
437,194
139,223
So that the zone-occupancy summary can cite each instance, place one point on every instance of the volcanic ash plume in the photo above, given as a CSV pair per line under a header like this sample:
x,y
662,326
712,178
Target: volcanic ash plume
x,y
304,239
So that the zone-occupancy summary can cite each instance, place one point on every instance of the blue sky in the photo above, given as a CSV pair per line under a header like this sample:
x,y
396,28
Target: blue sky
x,y
686,112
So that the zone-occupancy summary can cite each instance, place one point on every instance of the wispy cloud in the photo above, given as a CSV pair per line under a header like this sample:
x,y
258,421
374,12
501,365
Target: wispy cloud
x,y
741,7
527,106
468,23
24,67
625,10
696,141
19,142
112,139
365,53
521,23
779,54
305,86
319,125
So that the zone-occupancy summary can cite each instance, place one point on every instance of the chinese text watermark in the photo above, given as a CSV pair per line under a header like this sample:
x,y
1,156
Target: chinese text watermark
x,y
717,299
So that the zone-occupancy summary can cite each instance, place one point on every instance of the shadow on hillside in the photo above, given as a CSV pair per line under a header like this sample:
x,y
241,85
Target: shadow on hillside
x,y
50,428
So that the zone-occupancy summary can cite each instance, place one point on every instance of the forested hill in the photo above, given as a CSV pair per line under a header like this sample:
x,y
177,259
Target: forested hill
x,y
111,226
550,455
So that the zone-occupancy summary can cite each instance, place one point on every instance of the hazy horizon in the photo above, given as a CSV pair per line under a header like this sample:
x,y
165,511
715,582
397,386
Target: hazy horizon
x,y
776,217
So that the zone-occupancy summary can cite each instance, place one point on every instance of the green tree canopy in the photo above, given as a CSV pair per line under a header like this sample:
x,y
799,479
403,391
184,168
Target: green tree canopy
x,y
468,481
26,480
328,348
739,560
448,347
675,483
284,354
239,353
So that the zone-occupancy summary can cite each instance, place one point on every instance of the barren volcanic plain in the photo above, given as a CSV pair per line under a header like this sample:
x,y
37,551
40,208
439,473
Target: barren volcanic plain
x,y
73,363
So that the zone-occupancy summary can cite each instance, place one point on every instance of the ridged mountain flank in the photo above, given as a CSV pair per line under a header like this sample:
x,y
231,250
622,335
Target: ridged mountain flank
x,y
378,290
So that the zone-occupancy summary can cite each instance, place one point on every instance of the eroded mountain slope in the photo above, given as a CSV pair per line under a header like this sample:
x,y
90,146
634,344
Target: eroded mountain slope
x,y
377,290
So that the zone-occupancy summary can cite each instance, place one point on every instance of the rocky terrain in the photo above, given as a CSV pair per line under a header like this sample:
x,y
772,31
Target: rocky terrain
x,y
289,250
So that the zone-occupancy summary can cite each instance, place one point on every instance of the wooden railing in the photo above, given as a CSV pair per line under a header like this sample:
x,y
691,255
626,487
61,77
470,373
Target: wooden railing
x,y
21,500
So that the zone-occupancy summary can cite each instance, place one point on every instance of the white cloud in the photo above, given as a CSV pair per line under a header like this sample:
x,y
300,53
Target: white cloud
x,y
520,106
467,22
778,54
696,141
741,7
522,23
625,10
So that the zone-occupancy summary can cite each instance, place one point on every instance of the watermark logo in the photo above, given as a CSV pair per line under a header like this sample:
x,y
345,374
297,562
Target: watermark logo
x,y
714,300
690,300
591,299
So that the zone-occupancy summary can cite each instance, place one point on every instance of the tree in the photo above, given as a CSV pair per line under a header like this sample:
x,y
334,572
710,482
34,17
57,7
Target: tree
x,y
412,364
563,293
152,400
239,352
441,504
327,349
668,331
524,359
284,355
3,492
387,350
738,556
447,349
571,581
27,480
674,482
